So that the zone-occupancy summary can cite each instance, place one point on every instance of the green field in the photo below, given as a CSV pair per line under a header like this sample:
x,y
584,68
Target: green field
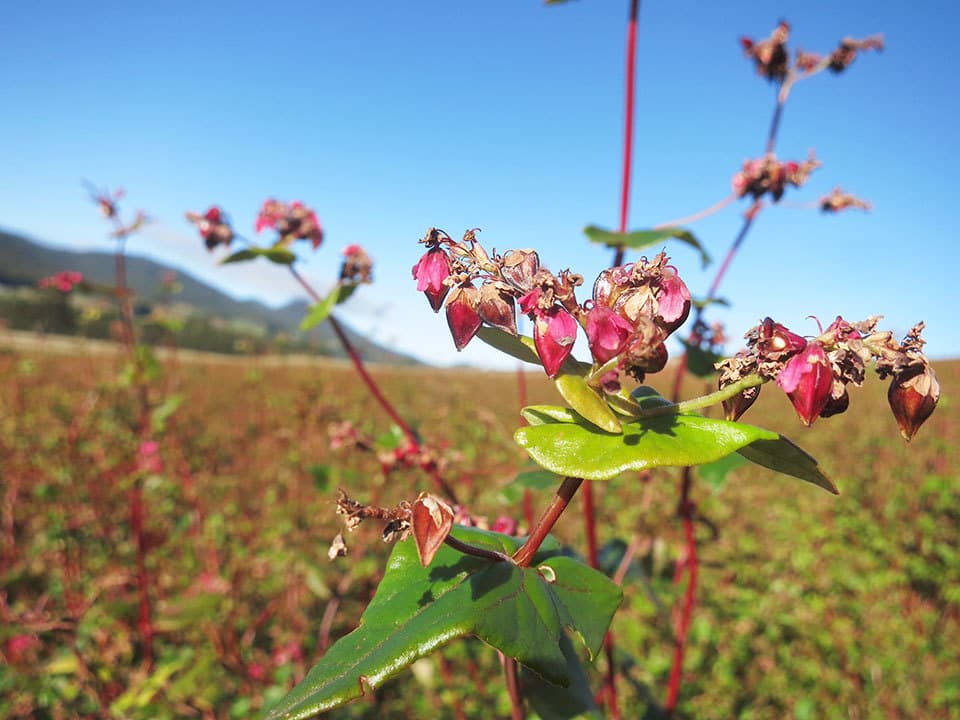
x,y
809,606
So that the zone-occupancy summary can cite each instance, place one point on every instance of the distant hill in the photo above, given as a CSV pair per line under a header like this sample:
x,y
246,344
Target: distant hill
x,y
23,262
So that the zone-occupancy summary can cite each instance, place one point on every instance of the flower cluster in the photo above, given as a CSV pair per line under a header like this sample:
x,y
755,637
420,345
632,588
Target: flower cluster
x,y
214,227
357,265
770,56
815,373
106,200
766,174
633,310
772,59
839,200
345,435
293,222
64,281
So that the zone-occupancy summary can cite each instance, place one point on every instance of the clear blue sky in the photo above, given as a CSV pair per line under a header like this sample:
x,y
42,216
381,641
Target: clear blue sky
x,y
505,115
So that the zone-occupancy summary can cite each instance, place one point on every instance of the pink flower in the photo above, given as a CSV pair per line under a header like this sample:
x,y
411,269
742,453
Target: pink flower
x,y
807,378
430,272
504,524
148,457
674,300
554,332
64,281
607,332
271,213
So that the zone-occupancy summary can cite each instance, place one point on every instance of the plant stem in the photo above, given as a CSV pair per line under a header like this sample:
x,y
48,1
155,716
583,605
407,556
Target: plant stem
x,y
372,385
476,551
568,488
700,215
686,616
628,124
704,400
517,710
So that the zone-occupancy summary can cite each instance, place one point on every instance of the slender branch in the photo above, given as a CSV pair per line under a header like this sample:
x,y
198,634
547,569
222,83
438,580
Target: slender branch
x,y
476,550
686,616
568,488
372,384
699,215
517,710
628,124
704,401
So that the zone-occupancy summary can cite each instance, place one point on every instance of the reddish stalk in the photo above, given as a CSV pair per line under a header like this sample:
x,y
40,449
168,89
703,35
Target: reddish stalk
x,y
372,386
517,710
568,488
610,686
686,506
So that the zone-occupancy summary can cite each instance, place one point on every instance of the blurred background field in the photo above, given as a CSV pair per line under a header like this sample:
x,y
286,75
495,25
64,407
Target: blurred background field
x,y
810,606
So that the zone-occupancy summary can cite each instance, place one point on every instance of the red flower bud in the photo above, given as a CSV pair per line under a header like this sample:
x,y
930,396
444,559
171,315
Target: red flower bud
x,y
554,332
462,316
807,378
432,520
430,272
913,395
607,332
674,301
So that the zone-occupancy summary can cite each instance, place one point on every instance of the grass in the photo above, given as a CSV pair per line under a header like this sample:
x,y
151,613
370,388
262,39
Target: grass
x,y
810,606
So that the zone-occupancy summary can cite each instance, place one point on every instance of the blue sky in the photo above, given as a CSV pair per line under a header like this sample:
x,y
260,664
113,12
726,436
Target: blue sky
x,y
506,115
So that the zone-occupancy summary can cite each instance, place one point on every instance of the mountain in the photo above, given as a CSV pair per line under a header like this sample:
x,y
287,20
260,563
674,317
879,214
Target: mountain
x,y
23,262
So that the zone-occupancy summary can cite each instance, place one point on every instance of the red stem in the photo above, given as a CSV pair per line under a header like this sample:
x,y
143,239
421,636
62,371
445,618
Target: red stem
x,y
524,556
143,580
628,124
686,616
373,387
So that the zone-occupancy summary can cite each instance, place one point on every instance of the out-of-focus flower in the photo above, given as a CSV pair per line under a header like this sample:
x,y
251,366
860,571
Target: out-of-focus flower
x,y
292,222
839,200
769,56
148,458
357,265
846,53
64,281
760,176
213,226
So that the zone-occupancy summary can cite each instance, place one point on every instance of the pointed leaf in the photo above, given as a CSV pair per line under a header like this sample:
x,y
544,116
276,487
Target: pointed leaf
x,y
542,414
346,290
587,401
520,611
279,255
785,456
241,256
319,312
581,450
640,239
553,702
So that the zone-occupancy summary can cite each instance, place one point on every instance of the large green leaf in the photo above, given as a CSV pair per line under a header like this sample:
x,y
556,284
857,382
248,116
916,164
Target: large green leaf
x,y
640,239
785,456
553,702
586,401
520,611
581,450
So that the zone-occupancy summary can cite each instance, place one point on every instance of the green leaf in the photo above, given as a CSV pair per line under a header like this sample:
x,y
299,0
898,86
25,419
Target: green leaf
x,y
276,254
699,361
241,256
346,290
715,474
785,456
542,414
587,401
581,450
416,610
279,255
162,412
552,702
640,239
528,480
518,346
319,312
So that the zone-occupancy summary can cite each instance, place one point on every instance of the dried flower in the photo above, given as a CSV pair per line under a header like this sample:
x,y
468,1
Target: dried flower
x,y
357,265
432,521
807,378
430,272
214,227
913,396
554,332
770,55
462,316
